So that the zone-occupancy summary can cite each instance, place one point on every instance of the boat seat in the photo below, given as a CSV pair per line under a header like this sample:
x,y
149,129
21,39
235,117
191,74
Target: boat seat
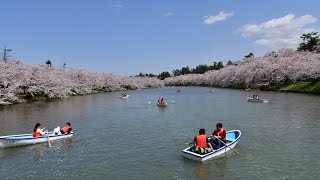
x,y
231,136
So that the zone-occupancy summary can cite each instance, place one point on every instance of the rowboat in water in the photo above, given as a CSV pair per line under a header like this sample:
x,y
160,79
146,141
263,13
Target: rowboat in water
x,y
250,99
28,139
232,140
162,104
124,97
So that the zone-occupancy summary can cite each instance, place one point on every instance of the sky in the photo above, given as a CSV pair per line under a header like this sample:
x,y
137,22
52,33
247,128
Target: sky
x,y
127,37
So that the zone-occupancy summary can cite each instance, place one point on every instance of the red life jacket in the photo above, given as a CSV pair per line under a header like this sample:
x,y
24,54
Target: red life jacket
x,y
65,129
221,133
201,140
36,133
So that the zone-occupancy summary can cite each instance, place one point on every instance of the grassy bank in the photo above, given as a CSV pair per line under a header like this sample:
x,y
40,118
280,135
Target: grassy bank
x,y
311,87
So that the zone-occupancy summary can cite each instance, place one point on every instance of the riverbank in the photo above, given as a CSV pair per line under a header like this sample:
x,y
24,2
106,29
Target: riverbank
x,y
21,82
311,87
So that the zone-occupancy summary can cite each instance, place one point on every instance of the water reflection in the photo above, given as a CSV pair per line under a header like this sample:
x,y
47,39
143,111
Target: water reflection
x,y
214,169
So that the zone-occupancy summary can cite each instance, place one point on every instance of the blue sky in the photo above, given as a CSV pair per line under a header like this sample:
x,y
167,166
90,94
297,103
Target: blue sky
x,y
133,36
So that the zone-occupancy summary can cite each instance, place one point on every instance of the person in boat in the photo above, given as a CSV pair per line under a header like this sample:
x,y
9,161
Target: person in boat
x,y
124,94
201,143
38,131
257,97
220,133
66,129
162,101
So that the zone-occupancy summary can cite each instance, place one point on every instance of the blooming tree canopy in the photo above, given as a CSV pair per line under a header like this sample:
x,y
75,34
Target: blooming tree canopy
x,y
286,65
19,80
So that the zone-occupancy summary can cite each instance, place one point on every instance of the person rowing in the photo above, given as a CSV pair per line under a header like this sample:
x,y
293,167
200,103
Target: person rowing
x,y
38,131
220,133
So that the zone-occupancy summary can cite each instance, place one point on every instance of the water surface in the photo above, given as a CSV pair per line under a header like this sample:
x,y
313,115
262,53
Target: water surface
x,y
131,139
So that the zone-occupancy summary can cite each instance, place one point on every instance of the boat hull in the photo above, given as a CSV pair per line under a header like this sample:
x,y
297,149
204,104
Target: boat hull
x,y
27,139
162,104
232,140
124,97
249,99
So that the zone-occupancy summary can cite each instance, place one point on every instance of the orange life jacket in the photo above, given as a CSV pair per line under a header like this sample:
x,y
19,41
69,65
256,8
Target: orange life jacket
x,y
65,129
36,133
201,140
221,133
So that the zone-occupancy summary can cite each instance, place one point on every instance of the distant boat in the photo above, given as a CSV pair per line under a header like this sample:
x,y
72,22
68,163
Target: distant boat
x,y
162,104
124,97
211,90
232,140
28,139
250,99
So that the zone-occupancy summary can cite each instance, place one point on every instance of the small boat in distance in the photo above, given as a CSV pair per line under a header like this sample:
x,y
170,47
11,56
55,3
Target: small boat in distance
x,y
250,99
232,140
28,139
162,104
124,96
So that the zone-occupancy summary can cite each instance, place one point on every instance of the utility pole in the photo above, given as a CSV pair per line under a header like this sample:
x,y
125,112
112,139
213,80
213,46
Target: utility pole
x,y
5,53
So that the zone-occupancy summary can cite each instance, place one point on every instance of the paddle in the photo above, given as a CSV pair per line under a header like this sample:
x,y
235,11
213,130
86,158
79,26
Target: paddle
x,y
48,139
227,145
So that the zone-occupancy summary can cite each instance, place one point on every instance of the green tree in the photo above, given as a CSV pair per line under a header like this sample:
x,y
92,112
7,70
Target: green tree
x,y
310,41
219,65
185,70
49,63
200,69
164,75
249,55
176,72
229,63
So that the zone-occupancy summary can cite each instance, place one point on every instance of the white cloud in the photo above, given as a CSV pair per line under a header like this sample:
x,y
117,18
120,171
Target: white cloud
x,y
220,17
283,32
167,14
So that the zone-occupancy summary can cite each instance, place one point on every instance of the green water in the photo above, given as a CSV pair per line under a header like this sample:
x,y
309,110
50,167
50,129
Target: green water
x,y
131,139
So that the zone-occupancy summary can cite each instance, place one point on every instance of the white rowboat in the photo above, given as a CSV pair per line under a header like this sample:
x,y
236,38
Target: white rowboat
x,y
124,97
27,139
250,99
232,140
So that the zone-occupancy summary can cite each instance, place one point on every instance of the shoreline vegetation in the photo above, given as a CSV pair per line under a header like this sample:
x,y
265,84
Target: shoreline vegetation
x,y
287,70
21,83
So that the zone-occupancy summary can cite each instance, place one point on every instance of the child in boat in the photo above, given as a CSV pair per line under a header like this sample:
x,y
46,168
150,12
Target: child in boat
x,y
162,101
65,130
37,131
219,137
202,143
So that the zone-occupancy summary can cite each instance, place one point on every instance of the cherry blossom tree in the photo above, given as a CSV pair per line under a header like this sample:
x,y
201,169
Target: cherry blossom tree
x,y
22,81
286,65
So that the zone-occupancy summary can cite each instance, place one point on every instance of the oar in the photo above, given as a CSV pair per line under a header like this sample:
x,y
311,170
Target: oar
x,y
48,139
228,146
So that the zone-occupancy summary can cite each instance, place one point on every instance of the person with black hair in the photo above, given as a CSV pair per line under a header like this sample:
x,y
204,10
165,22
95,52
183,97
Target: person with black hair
x,y
202,143
66,129
38,131
218,134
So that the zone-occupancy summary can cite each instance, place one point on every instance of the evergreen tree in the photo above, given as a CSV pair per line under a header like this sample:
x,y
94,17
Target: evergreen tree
x,y
310,41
